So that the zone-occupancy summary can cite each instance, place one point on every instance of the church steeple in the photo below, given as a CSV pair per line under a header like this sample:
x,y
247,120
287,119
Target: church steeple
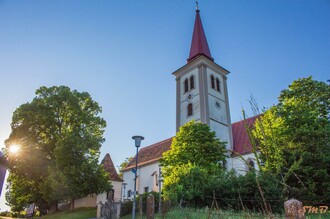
x,y
199,44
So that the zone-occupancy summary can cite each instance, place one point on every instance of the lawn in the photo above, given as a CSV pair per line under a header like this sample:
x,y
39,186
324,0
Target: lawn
x,y
202,214
80,213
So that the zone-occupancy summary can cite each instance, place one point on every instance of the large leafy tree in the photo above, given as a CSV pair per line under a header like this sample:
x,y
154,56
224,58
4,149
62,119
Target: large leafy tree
x,y
294,138
59,134
195,154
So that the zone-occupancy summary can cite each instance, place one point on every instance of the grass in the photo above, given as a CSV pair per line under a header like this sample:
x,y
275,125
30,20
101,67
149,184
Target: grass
x,y
204,214
80,213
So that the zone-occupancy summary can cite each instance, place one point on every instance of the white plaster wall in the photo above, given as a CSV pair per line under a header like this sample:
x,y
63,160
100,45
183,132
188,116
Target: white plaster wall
x,y
184,101
187,76
145,178
89,201
240,166
211,91
184,118
220,130
219,114
116,186
128,177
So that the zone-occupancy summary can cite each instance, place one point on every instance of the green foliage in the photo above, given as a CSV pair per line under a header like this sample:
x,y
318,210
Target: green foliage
x,y
126,208
195,143
195,155
123,165
144,197
294,139
60,134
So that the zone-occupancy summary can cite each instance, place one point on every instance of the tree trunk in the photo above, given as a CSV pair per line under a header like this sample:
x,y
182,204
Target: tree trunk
x,y
53,208
72,204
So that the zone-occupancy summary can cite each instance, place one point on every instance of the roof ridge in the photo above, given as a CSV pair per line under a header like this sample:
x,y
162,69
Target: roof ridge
x,y
155,144
252,117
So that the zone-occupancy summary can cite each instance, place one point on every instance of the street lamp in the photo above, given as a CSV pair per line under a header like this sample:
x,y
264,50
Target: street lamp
x,y
123,195
160,180
137,140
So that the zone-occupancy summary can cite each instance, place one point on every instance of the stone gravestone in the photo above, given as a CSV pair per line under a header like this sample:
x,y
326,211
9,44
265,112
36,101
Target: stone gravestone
x,y
150,207
108,211
294,209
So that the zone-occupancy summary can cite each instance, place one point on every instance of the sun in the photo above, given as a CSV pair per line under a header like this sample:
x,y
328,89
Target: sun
x,y
13,149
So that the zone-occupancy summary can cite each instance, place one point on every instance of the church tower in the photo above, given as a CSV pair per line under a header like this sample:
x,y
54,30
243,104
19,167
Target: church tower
x,y
201,88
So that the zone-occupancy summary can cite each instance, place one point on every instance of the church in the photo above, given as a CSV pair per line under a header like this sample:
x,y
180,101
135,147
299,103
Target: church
x,y
201,95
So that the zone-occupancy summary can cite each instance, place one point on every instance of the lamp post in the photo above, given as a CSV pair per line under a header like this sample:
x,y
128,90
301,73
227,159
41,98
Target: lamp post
x,y
160,180
137,140
123,195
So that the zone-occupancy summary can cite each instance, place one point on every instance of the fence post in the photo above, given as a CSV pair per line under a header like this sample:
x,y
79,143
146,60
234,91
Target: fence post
x,y
150,207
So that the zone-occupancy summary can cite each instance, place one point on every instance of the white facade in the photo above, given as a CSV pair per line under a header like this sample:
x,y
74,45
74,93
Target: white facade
x,y
209,98
147,180
244,164
117,189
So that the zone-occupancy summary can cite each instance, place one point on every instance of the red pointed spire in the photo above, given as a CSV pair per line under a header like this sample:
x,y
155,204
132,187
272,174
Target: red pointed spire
x,y
199,44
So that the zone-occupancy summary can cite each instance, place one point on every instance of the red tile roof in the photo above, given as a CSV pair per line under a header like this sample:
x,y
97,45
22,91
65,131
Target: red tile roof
x,y
199,45
155,151
151,153
241,139
110,168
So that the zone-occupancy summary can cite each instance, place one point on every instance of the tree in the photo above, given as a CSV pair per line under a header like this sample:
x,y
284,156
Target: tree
x,y
122,166
60,134
195,154
294,138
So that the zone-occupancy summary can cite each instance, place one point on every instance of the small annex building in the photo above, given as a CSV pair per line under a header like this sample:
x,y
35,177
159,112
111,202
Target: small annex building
x,y
116,181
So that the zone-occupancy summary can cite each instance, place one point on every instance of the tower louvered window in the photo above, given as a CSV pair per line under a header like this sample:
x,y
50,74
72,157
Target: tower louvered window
x,y
192,82
186,85
190,109
212,82
218,84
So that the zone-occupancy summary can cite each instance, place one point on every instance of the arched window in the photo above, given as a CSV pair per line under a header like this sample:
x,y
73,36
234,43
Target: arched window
x,y
190,109
192,82
212,82
186,85
218,84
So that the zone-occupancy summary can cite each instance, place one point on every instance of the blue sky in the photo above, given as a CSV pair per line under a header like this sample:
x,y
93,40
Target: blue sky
x,y
123,54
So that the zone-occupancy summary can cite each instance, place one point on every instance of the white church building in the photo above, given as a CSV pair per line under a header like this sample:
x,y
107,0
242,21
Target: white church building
x,y
201,95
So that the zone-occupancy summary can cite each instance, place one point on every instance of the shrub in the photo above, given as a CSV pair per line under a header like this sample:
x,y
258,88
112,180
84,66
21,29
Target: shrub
x,y
126,208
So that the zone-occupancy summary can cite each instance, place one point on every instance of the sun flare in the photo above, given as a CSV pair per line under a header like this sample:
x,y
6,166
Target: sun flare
x,y
13,149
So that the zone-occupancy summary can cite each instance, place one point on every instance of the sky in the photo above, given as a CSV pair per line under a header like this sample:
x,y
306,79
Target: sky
x,y
123,54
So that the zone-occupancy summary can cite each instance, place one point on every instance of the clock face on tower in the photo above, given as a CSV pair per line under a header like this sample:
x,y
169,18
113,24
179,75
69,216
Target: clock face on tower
x,y
217,105
189,96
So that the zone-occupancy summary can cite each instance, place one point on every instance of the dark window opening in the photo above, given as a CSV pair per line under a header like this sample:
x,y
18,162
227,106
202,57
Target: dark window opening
x,y
186,85
146,189
218,84
192,82
212,82
190,109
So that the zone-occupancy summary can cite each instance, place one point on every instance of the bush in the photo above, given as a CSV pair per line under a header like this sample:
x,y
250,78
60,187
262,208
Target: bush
x,y
4,213
126,208
144,201
235,192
